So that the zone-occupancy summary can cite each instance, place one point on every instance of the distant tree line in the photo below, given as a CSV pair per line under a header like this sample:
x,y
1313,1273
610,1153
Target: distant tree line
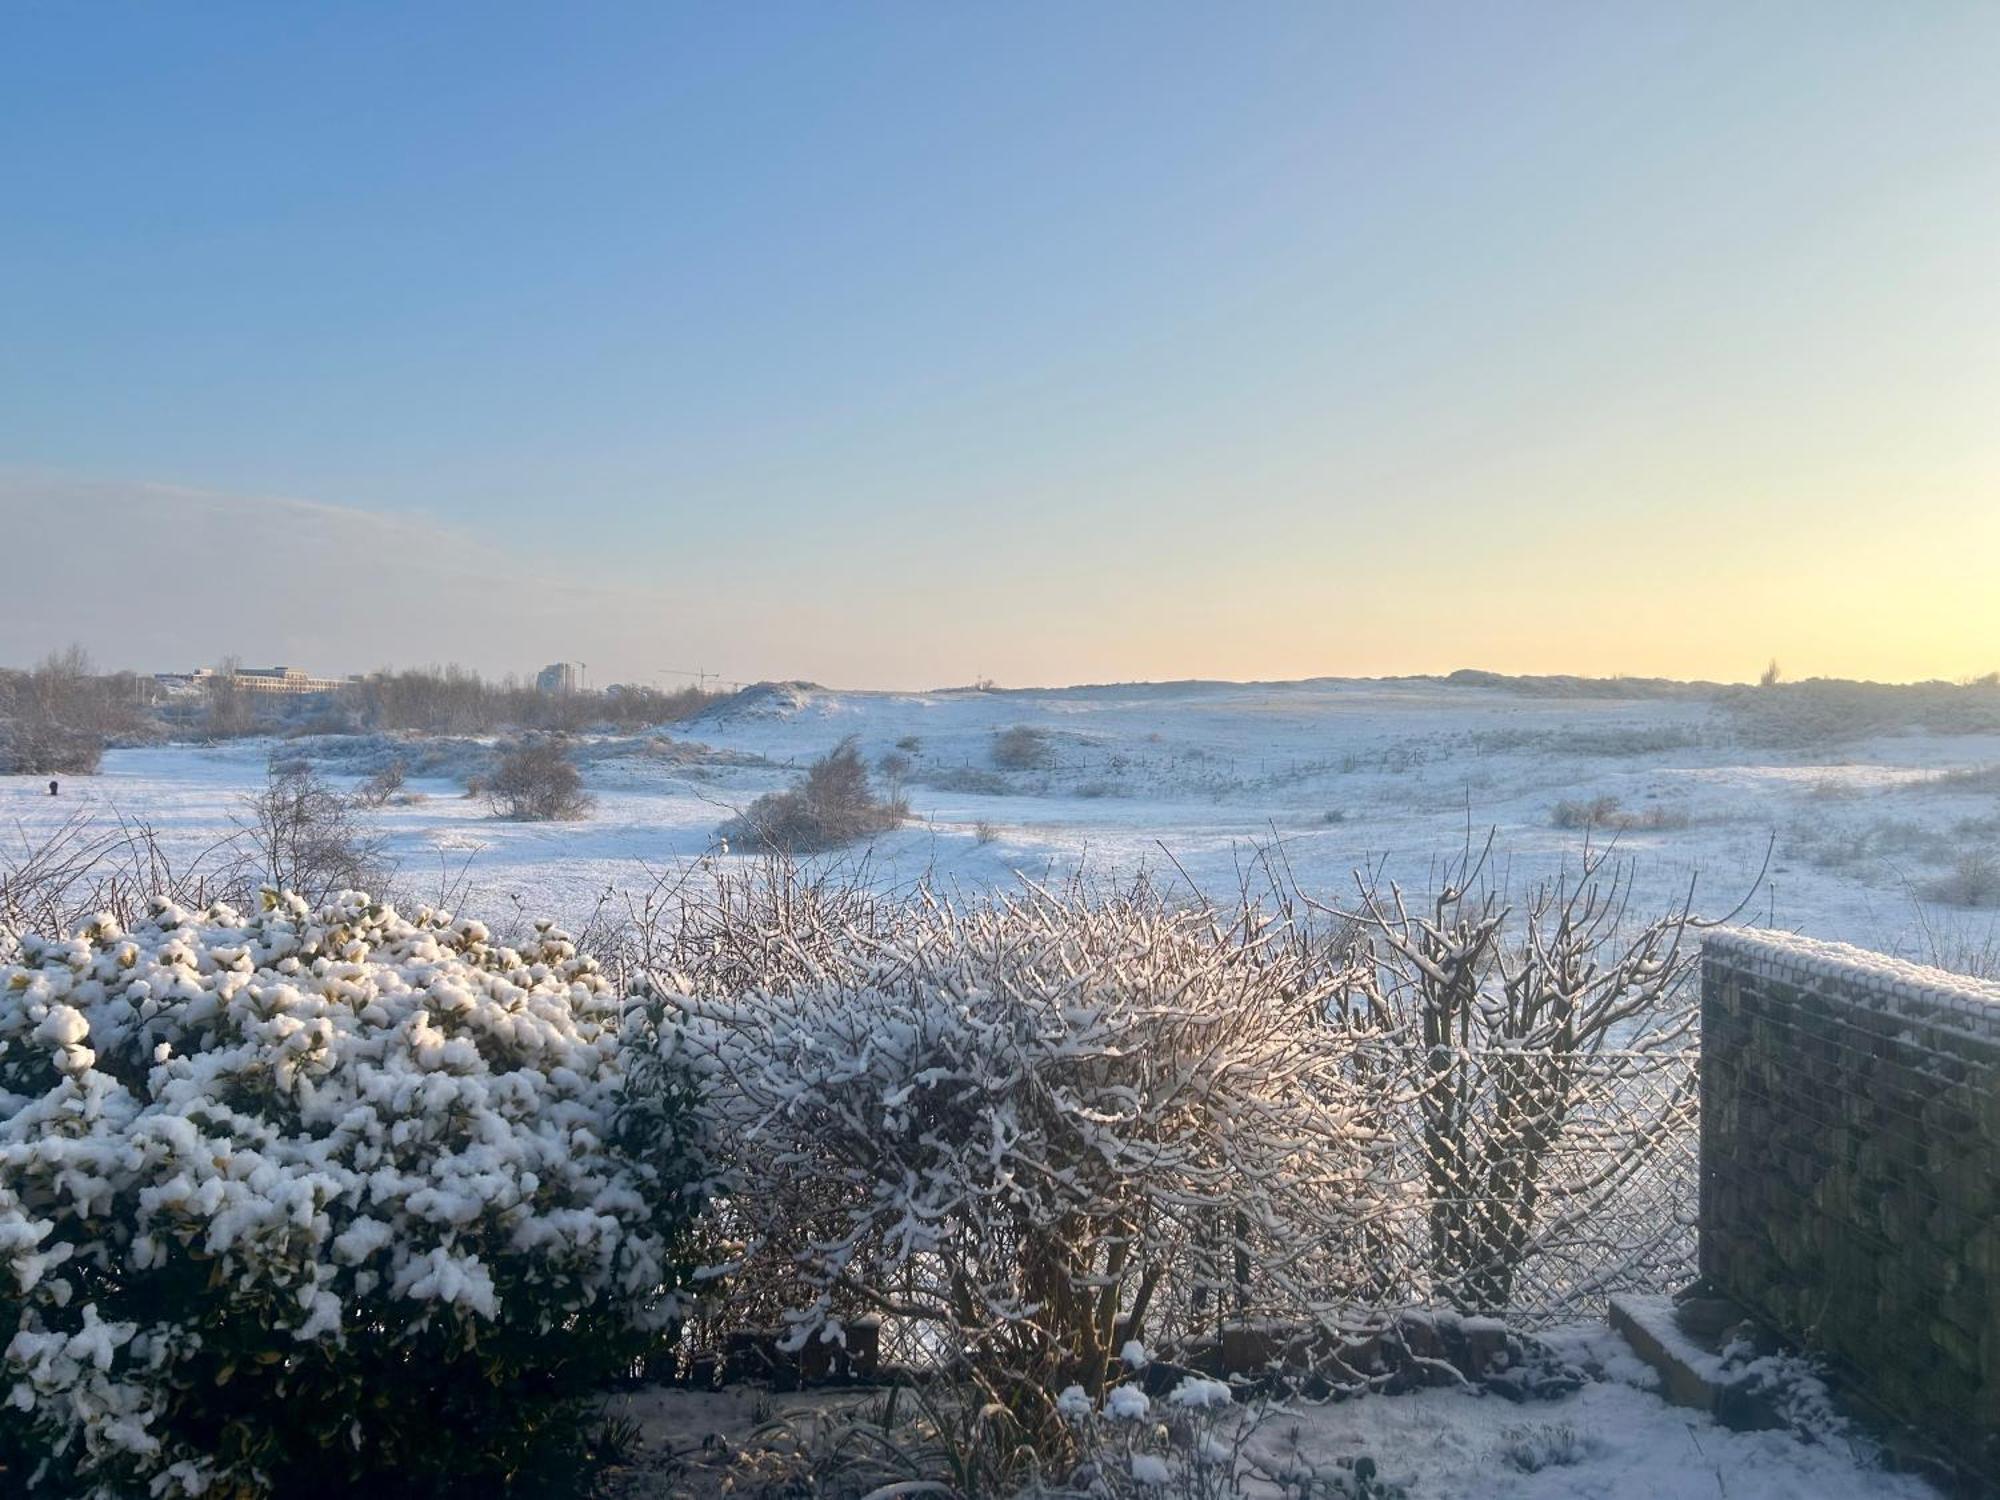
x,y
456,700
57,717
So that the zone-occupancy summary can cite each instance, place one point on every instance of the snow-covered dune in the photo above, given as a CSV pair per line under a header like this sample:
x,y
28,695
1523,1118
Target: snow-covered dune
x,y
1197,778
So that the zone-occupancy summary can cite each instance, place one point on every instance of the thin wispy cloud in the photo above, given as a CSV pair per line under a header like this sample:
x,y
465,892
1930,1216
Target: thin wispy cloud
x,y
154,576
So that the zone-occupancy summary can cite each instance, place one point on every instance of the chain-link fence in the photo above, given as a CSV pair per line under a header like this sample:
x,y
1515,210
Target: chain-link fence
x,y
1525,1185
1534,1184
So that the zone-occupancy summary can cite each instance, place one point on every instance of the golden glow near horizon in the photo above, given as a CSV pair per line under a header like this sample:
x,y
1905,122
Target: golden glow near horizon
x,y
1072,344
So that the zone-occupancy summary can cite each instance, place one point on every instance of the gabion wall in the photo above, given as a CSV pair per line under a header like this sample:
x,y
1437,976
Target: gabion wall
x,y
1850,1178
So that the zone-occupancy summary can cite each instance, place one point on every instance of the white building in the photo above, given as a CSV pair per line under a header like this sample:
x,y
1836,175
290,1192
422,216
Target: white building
x,y
283,681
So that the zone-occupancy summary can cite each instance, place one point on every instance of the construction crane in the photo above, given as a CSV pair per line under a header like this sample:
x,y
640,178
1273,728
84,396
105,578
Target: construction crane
x,y
702,677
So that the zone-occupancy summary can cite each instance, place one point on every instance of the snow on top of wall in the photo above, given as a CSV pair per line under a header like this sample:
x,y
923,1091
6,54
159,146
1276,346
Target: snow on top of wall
x,y
1892,983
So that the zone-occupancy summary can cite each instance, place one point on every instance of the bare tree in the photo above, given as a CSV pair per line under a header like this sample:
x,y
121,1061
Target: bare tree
x,y
54,719
383,785
309,841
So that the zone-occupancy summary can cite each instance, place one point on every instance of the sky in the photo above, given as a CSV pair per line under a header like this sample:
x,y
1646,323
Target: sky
x,y
904,345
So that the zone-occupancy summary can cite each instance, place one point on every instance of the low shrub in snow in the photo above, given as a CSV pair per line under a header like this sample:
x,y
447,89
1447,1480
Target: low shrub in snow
x,y
1973,880
1190,1442
378,789
833,805
1606,813
535,782
38,747
972,781
1194,1442
320,1203
1021,748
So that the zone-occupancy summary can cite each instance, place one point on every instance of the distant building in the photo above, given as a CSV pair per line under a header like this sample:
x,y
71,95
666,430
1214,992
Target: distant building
x,y
560,677
289,680
284,681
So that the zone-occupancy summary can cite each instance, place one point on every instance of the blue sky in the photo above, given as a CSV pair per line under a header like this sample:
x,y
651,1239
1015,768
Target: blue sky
x,y
901,344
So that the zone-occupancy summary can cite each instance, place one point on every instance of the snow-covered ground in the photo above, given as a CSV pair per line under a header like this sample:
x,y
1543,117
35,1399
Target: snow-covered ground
x,y
1198,781
1615,1438
1334,774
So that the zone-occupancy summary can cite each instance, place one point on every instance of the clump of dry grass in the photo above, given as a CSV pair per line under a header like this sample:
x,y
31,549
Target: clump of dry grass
x,y
1606,813
1973,880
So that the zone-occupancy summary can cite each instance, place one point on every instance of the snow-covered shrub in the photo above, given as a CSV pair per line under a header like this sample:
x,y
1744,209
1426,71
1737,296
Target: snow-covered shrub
x,y
1037,1126
314,1203
1187,1445
535,782
833,805
41,747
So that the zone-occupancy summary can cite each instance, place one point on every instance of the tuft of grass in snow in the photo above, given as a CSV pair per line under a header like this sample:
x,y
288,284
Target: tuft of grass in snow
x,y
1972,780
1607,813
1542,1445
1609,743
1021,748
1946,941
967,780
1973,880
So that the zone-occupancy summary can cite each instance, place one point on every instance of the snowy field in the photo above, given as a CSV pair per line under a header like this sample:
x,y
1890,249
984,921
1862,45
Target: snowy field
x,y
1830,831
1330,775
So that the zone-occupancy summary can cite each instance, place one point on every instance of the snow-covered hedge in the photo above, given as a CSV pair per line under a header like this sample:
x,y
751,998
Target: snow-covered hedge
x,y
302,1201
1036,1128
